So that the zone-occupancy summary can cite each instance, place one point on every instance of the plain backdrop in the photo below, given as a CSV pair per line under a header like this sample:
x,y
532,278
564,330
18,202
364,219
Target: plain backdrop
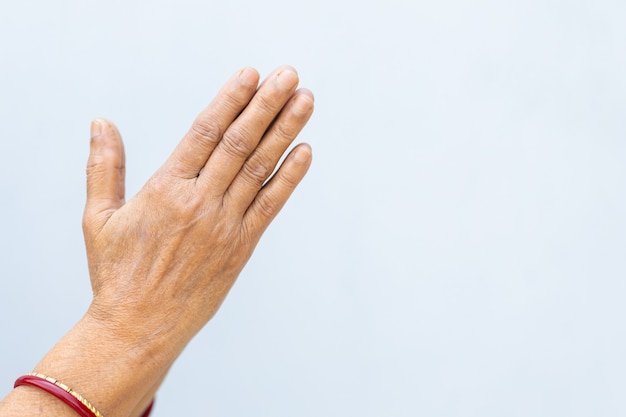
x,y
457,248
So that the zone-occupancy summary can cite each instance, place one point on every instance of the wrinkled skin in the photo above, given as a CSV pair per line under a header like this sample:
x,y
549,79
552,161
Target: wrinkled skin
x,y
169,255
162,263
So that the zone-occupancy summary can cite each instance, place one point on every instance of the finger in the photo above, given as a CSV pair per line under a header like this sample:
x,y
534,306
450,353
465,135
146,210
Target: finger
x,y
265,157
106,170
206,131
243,135
272,197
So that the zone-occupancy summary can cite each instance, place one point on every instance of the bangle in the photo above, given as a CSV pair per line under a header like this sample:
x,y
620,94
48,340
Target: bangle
x,y
64,393
146,413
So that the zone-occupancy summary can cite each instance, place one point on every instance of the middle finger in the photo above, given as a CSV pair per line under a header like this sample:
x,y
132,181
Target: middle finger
x,y
242,137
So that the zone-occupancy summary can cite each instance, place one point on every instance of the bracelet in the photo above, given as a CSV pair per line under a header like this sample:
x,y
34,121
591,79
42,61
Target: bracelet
x,y
64,393
148,409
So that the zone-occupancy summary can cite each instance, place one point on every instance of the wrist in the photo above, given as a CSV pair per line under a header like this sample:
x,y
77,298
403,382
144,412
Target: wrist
x,y
112,368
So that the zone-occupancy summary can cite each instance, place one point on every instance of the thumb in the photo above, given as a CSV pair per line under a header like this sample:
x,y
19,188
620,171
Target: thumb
x,y
106,168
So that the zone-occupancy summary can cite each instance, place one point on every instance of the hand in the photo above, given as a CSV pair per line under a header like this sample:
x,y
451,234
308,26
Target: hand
x,y
162,263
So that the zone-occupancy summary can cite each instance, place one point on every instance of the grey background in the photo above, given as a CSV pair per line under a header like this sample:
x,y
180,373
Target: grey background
x,y
457,248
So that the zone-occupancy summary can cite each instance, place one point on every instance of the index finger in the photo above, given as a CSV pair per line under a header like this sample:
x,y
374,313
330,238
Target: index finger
x,y
205,133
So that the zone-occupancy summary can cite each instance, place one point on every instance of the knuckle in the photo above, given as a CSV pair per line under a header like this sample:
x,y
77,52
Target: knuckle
x,y
255,171
234,100
285,131
206,129
183,208
235,143
267,205
266,105
94,165
165,196
288,180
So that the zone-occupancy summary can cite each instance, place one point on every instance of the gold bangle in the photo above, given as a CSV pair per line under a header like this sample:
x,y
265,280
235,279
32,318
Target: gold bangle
x,y
70,391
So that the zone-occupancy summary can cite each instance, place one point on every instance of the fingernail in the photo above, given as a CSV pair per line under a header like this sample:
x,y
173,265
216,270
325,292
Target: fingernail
x,y
96,128
248,77
287,79
302,104
302,155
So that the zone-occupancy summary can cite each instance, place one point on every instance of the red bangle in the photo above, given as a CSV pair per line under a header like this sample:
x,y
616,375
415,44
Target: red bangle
x,y
46,384
64,393
149,409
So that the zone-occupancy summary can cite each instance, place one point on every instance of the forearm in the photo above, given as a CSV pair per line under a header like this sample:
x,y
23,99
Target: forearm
x,y
115,373
162,263
149,397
